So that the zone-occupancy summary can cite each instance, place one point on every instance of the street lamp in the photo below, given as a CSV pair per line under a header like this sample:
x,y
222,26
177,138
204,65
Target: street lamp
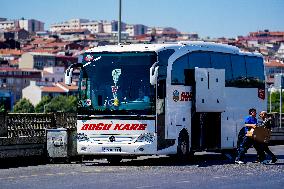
x,y
270,92
281,102
44,107
119,23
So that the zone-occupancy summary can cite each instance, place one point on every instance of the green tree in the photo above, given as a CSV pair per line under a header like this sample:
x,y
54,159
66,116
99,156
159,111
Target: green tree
x,y
24,106
2,108
40,107
62,104
275,102
2,105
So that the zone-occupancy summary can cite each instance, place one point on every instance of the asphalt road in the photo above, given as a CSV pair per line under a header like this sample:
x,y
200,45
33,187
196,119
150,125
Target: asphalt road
x,y
205,170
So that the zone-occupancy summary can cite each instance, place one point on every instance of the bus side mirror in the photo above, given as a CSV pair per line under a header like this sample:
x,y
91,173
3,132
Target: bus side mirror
x,y
154,74
68,76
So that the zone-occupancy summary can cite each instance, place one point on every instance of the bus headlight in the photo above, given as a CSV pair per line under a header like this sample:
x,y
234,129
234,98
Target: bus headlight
x,y
146,137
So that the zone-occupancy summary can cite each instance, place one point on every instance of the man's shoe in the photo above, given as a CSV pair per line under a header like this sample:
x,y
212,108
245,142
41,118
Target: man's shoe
x,y
273,160
239,162
256,161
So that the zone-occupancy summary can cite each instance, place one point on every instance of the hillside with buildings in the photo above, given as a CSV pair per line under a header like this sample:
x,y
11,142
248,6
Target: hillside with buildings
x,y
34,59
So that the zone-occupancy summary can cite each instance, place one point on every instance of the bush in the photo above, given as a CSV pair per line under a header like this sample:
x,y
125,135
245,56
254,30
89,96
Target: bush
x,y
24,106
62,104
40,107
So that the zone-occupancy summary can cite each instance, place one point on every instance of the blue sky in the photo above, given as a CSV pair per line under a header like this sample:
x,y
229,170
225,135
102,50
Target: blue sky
x,y
214,18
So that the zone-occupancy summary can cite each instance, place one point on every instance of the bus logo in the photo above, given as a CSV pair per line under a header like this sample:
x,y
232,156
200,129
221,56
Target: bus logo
x,y
261,94
183,96
186,96
89,58
176,96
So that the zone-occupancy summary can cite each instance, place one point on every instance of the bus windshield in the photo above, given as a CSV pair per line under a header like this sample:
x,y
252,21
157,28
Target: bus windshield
x,y
116,84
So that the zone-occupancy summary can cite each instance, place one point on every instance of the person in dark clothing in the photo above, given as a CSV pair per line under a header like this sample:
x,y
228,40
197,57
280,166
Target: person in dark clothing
x,y
266,123
244,142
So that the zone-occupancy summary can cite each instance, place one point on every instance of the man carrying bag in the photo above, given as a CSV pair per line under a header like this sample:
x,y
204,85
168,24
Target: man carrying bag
x,y
261,136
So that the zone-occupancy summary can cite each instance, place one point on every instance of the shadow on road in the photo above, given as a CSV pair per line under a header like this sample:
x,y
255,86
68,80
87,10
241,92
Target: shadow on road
x,y
197,160
203,160
200,160
22,162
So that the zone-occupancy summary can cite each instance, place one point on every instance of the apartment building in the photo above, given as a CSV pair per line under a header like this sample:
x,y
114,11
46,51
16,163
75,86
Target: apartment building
x,y
92,26
17,34
8,24
273,67
68,25
34,60
112,26
30,25
280,51
135,29
53,74
14,80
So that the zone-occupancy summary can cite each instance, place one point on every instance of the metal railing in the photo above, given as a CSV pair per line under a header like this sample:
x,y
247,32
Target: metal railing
x,y
14,125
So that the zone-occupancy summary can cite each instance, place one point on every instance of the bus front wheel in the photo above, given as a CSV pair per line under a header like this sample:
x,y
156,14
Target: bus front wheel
x,y
183,146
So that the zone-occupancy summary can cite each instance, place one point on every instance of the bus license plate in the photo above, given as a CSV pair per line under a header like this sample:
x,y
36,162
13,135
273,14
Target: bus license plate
x,y
111,149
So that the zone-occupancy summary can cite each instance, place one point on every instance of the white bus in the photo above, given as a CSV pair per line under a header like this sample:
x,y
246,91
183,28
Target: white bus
x,y
164,99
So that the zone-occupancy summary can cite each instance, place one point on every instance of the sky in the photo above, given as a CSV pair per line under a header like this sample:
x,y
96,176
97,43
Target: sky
x,y
213,18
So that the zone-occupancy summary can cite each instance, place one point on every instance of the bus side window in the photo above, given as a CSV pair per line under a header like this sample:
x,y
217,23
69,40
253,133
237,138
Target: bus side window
x,y
255,71
189,77
199,59
222,61
239,70
163,57
178,70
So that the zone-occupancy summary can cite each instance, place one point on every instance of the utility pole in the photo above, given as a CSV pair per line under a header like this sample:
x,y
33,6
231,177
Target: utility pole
x,y
281,79
270,104
119,23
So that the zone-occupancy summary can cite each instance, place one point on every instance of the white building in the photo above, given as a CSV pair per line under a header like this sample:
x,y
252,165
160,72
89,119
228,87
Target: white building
x,y
135,29
93,26
53,74
280,52
35,60
112,26
162,30
31,25
34,92
68,25
8,24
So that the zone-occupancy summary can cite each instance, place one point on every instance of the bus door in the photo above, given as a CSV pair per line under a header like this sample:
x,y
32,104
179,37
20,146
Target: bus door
x,y
208,105
178,110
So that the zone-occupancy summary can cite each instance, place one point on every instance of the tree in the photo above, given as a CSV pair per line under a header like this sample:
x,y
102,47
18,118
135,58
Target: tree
x,y
62,104
2,108
40,107
275,101
24,106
